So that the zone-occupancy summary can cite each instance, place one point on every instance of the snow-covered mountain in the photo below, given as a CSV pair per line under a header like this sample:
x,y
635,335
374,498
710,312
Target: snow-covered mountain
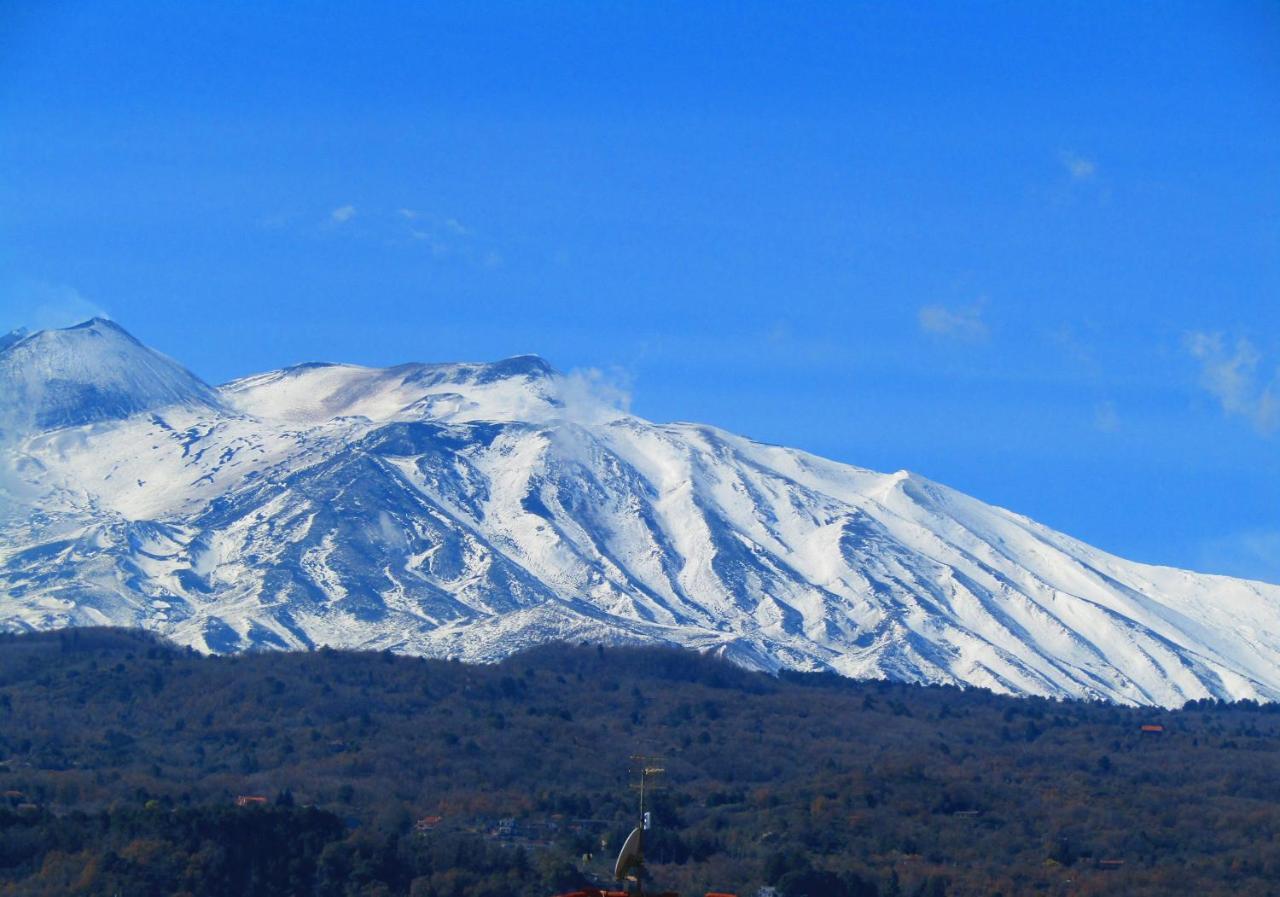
x,y
94,371
471,510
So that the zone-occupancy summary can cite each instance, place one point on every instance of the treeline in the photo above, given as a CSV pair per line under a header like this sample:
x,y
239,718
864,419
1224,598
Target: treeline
x,y
223,851
121,759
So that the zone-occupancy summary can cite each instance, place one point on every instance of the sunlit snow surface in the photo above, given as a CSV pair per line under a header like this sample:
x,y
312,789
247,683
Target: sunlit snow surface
x,y
472,510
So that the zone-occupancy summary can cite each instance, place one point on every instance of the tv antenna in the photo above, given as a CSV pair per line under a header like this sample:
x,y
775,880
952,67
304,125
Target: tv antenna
x,y
645,771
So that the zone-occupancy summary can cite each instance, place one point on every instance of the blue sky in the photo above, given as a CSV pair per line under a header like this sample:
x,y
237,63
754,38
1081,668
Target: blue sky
x,y
1029,250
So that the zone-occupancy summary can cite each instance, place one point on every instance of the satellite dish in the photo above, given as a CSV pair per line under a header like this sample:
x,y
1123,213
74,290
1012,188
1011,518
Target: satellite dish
x,y
629,857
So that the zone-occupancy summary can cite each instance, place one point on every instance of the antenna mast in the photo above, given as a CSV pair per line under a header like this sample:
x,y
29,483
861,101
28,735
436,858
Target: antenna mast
x,y
646,768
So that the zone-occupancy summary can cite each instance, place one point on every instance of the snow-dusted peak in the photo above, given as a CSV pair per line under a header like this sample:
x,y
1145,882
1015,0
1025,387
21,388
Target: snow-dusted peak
x,y
523,387
12,337
470,510
90,372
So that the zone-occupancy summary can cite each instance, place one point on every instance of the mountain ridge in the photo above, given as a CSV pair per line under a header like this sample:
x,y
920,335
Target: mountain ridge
x,y
474,509
93,371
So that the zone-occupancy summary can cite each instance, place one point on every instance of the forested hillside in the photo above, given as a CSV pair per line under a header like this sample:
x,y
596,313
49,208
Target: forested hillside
x,y
122,758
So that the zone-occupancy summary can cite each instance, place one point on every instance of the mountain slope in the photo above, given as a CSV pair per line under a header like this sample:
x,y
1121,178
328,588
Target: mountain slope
x,y
471,510
91,372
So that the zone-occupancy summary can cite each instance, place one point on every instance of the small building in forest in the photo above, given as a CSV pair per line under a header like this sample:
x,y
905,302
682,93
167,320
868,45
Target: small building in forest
x,y
427,823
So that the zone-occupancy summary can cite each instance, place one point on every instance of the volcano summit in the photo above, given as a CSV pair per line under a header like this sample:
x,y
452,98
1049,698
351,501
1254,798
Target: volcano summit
x,y
472,510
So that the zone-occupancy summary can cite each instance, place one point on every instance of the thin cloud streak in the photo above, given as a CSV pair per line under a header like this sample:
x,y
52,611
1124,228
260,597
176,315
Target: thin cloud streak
x,y
1079,167
1233,376
37,305
958,323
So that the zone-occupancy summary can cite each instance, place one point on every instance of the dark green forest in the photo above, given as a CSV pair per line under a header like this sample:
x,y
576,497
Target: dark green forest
x,y
122,758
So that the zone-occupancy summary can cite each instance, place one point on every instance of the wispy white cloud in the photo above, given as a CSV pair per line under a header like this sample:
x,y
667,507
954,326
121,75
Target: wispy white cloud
x,y
437,223
966,323
447,237
1079,167
588,397
595,392
444,237
1233,374
37,305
